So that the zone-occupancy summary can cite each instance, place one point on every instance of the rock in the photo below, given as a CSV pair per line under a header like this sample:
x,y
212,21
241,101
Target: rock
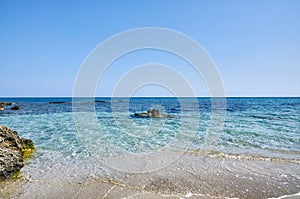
x,y
152,113
59,102
141,115
11,162
15,108
8,103
2,104
12,151
101,101
5,104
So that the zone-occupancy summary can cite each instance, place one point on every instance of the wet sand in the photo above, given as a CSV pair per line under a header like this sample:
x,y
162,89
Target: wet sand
x,y
192,176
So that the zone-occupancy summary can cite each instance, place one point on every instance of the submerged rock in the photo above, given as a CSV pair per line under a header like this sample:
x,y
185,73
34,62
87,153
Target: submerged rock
x,y
13,149
152,113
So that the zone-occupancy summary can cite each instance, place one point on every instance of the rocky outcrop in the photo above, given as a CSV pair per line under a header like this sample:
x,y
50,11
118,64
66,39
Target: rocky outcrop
x,y
3,104
13,149
152,113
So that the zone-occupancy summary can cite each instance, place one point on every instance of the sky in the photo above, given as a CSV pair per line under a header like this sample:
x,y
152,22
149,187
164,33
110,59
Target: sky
x,y
255,45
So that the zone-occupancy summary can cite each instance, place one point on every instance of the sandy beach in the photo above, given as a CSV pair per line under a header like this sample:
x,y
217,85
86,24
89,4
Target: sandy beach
x,y
192,176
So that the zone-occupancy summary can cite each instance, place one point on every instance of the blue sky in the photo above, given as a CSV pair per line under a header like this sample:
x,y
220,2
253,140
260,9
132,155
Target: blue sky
x,y
255,44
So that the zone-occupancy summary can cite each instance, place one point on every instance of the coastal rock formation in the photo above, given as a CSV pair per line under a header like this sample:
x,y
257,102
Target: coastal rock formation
x,y
3,104
13,149
152,113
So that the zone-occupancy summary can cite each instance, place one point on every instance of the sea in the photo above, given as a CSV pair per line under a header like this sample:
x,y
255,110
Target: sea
x,y
70,130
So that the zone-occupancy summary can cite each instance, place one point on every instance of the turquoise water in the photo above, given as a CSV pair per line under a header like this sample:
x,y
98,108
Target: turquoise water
x,y
257,126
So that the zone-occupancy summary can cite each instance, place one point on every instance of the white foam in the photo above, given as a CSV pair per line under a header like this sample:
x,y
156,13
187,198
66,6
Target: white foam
x,y
285,196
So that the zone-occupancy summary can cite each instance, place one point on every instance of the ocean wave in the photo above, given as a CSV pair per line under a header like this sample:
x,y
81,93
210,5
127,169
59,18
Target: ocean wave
x,y
245,156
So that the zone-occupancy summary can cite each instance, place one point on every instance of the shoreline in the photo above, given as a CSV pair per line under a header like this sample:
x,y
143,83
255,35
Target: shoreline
x,y
191,176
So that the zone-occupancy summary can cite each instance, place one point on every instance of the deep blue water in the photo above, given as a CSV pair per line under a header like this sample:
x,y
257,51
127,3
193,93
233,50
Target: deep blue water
x,y
263,126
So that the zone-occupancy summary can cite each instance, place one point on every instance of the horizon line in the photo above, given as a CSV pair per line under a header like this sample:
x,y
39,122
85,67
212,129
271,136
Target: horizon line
x,y
150,96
